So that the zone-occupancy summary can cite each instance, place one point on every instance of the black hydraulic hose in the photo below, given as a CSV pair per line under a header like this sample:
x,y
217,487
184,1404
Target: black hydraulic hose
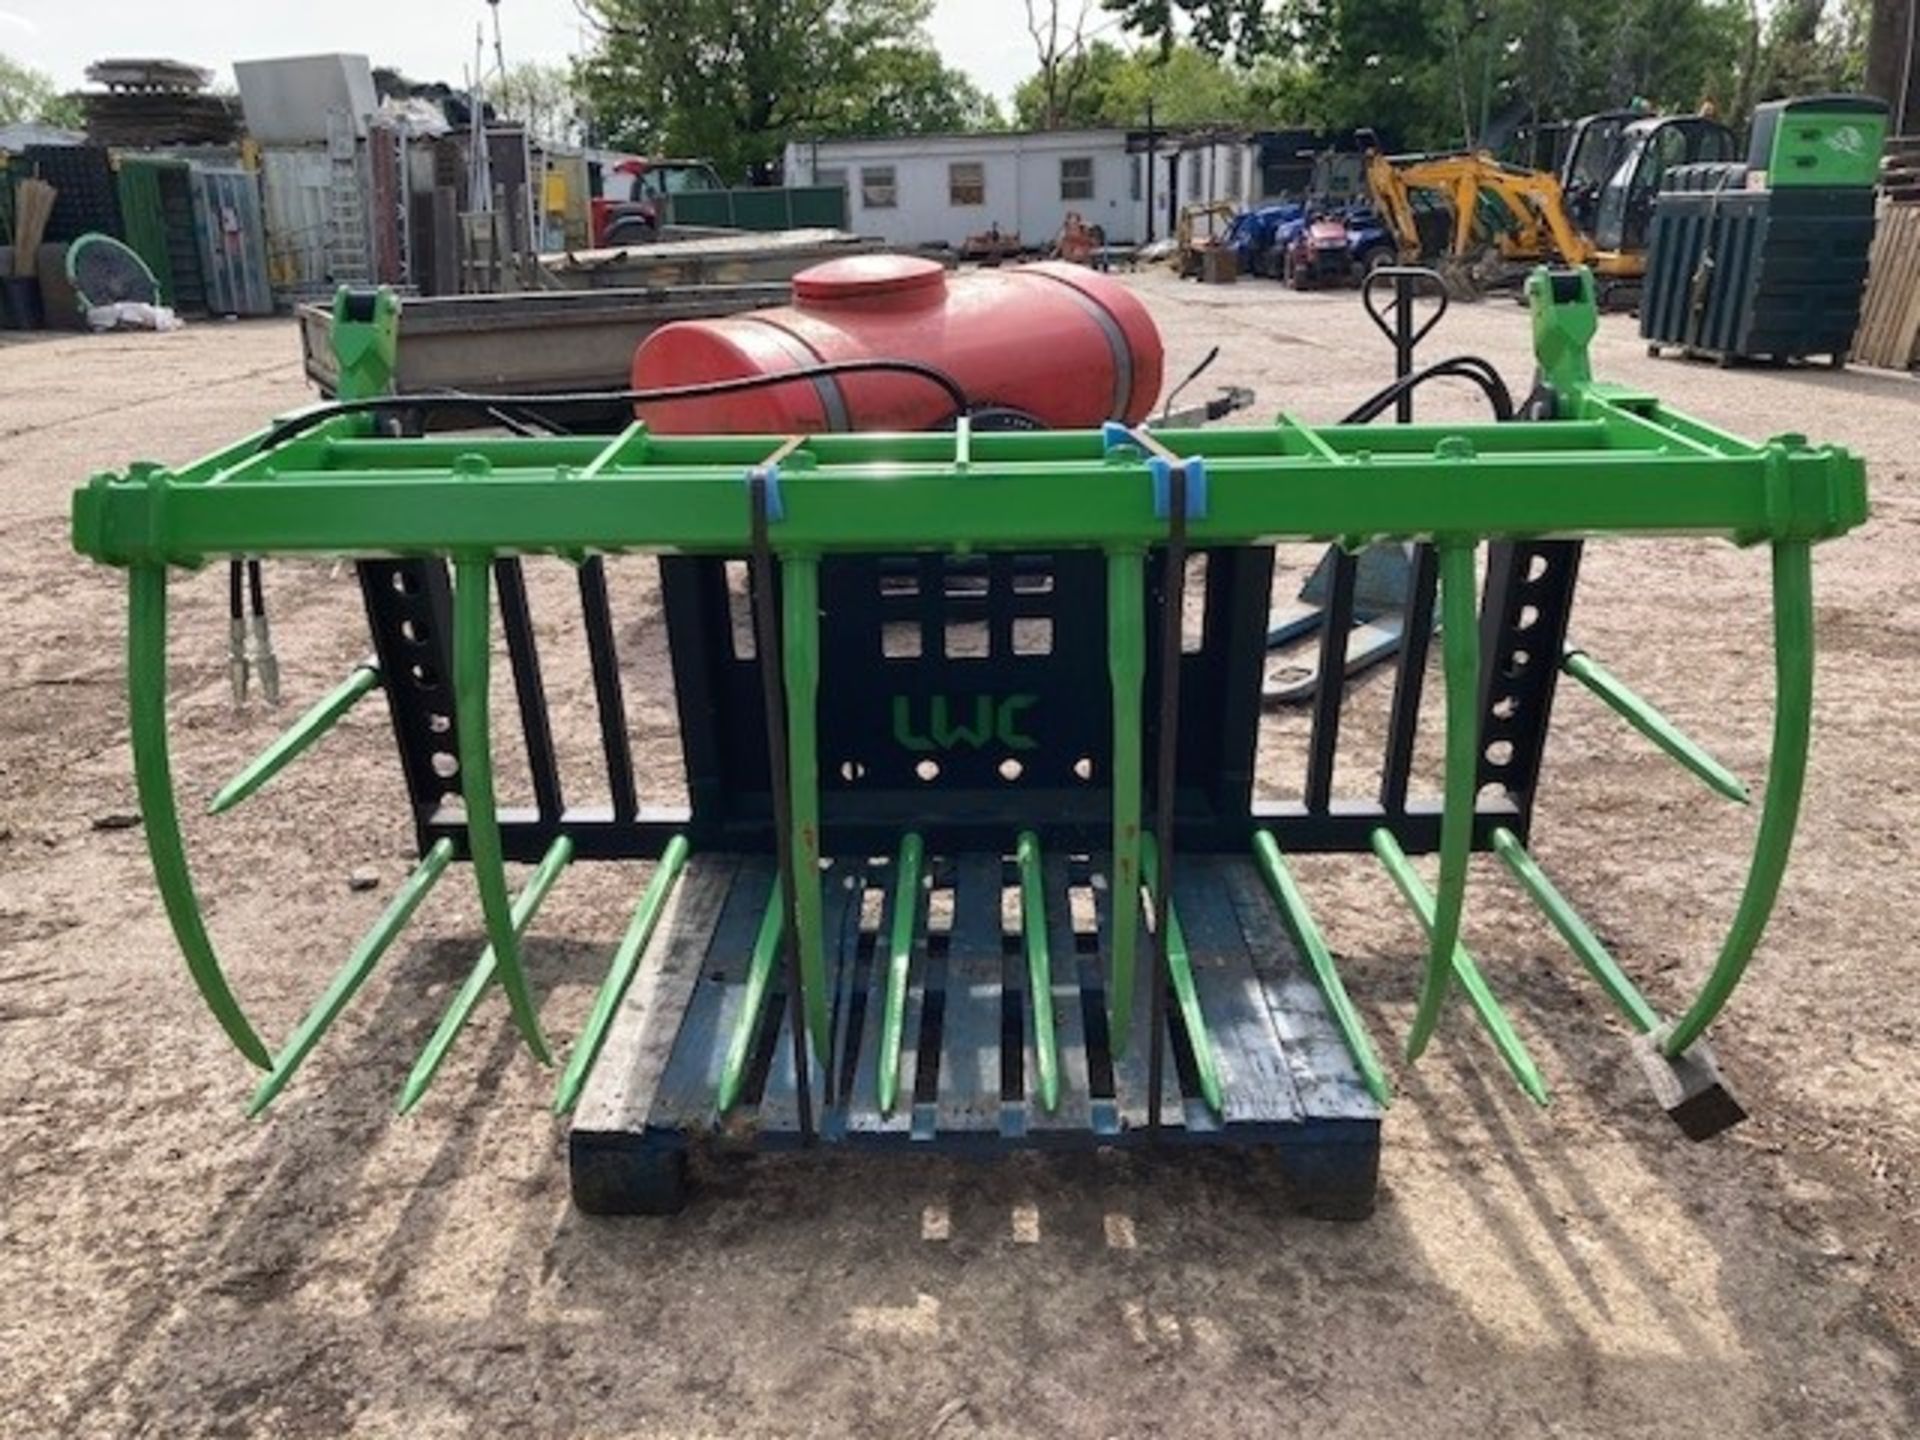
x,y
473,400
1458,367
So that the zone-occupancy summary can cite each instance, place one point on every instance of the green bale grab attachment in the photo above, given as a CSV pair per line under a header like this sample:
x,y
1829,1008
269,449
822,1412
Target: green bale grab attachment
x,y
1013,892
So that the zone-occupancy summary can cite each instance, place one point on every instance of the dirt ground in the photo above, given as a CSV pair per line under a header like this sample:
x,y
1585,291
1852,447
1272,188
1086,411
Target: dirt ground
x,y
169,1268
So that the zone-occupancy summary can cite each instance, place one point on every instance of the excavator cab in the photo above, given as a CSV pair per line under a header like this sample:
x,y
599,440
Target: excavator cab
x,y
1587,162
1645,150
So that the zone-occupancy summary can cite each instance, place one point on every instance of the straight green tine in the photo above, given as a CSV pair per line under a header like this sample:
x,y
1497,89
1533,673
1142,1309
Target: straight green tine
x,y
1460,665
1127,666
800,656
472,641
1580,939
1033,927
1306,934
295,739
352,975
620,972
746,1026
153,781
906,926
1637,712
1505,1039
1180,972
1786,779
483,973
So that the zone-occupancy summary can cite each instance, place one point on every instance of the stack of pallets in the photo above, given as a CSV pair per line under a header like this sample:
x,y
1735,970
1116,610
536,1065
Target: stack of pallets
x,y
1889,333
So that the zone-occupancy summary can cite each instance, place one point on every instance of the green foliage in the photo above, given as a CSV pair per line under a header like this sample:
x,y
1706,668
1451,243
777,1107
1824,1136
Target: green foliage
x,y
543,97
1434,72
735,80
1110,87
29,95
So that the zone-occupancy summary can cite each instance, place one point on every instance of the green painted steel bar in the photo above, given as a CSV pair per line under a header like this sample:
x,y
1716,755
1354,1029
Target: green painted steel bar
x,y
352,975
296,739
1306,934
1638,713
800,643
746,1025
1180,972
1580,938
620,973
1476,491
1505,1039
1127,667
1786,780
153,781
1033,927
906,925
484,971
472,640
1460,656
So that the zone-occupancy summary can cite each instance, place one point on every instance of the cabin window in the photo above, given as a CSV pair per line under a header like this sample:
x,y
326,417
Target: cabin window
x,y
966,183
1076,178
877,188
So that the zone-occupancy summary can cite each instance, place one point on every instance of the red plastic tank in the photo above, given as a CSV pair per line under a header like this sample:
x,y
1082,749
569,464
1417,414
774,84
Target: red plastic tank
x,y
1067,346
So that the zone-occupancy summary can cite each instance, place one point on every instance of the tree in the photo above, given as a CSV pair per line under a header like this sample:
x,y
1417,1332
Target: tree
x,y
1062,52
28,95
1187,87
543,97
735,80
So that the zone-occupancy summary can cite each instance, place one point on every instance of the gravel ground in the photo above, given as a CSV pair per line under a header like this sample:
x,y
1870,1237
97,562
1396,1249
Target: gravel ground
x,y
168,1268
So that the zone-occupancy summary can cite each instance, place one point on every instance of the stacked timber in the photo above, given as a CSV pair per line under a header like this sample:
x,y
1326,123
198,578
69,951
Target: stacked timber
x,y
156,102
733,258
1889,333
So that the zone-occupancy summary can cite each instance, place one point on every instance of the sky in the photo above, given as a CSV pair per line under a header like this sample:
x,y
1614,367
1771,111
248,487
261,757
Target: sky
x,y
427,39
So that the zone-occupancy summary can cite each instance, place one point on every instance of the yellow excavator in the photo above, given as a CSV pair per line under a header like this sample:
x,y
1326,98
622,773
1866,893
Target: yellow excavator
x,y
1481,222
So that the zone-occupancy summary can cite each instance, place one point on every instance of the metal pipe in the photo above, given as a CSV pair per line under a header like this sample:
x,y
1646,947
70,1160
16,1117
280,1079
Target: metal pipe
x,y
472,653
1180,972
1306,934
482,975
1580,939
906,921
296,739
620,972
1033,926
1126,663
1460,654
153,781
746,1025
1505,1039
1786,779
1638,713
352,975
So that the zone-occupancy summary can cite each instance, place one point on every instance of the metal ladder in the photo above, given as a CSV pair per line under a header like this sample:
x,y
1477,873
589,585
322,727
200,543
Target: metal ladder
x,y
346,250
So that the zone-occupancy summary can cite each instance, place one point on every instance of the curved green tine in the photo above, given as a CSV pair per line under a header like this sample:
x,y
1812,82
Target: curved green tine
x,y
1180,972
746,1025
296,738
1786,779
1127,666
800,659
906,925
620,973
1640,713
352,975
1460,654
1306,934
525,907
153,781
472,653
1575,931
1506,1039
1033,926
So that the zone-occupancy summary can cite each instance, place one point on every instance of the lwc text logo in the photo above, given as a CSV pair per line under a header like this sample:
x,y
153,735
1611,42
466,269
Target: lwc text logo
x,y
949,723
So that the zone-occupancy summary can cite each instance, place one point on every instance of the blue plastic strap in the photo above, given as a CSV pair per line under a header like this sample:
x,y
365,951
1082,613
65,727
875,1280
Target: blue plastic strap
x,y
1162,472
776,508
1114,434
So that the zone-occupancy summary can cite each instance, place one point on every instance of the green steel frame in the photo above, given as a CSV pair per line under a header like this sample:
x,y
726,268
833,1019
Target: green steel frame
x,y
1613,464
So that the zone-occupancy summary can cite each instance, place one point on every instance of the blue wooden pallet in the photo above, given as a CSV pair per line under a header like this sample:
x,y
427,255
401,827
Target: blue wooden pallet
x,y
968,1075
